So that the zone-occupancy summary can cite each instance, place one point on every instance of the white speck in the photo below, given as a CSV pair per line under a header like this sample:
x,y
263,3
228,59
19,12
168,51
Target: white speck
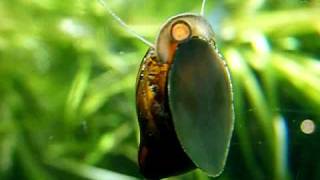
x,y
307,126
73,28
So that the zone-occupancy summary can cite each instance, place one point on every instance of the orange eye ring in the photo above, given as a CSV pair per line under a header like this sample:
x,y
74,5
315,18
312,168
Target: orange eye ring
x,y
180,31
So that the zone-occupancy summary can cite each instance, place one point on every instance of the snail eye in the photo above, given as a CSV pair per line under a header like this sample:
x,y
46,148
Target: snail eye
x,y
180,31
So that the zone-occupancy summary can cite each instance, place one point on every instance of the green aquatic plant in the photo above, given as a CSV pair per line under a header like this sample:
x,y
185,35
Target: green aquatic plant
x,y
67,83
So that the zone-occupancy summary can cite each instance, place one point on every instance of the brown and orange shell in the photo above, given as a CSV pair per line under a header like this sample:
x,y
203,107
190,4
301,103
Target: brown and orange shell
x,y
160,153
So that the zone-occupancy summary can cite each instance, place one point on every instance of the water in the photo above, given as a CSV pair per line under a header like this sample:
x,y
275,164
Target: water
x,y
68,77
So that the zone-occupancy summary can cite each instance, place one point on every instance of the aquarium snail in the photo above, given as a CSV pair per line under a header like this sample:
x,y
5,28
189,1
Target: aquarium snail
x,y
184,100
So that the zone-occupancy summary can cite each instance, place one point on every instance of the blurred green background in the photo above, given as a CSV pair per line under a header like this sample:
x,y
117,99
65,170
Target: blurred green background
x,y
67,85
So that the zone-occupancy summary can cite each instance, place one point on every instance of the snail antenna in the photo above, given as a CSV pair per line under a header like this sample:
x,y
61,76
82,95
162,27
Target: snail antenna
x,y
124,25
202,7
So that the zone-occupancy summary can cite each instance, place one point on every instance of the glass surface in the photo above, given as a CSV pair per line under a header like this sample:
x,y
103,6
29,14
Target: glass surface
x,y
67,86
